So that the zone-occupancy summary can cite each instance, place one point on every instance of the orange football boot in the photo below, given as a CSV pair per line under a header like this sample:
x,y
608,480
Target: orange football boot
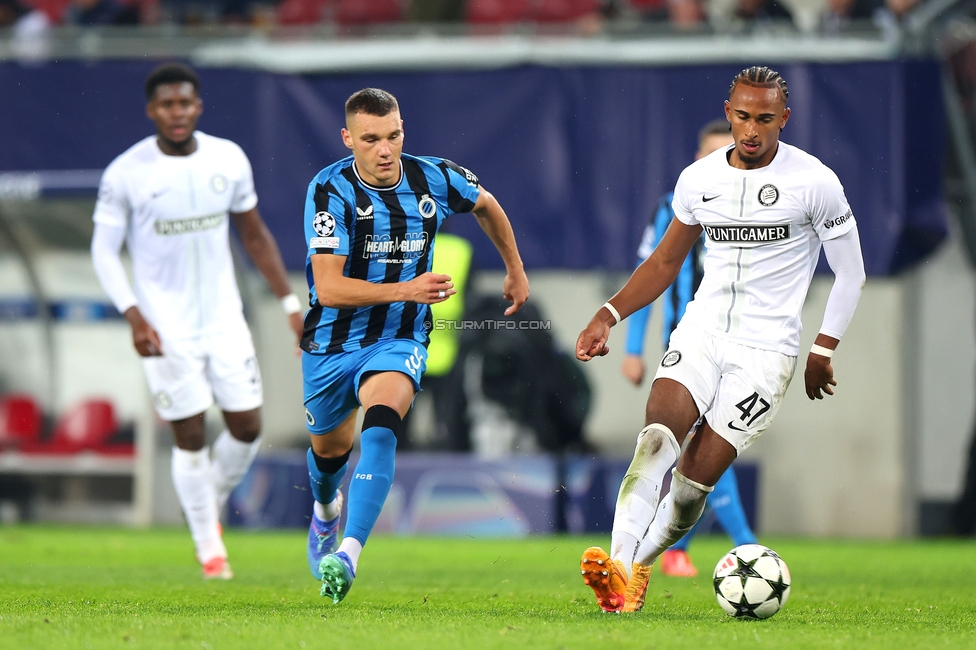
x,y
640,575
607,578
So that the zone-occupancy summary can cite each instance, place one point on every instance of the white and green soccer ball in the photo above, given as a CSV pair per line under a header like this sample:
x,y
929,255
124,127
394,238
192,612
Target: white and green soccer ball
x,y
751,581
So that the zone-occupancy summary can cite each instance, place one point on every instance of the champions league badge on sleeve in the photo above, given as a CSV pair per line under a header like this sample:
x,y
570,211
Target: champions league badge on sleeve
x,y
324,224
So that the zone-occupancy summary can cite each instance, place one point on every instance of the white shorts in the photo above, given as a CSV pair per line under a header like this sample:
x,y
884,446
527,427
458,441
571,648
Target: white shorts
x,y
738,389
193,373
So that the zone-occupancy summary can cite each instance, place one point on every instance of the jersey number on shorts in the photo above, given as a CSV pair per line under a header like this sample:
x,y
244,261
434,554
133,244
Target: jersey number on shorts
x,y
413,362
748,404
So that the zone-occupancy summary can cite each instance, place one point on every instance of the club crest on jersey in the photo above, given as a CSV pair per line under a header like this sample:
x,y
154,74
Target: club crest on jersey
x,y
364,214
671,359
218,183
309,418
768,195
324,224
427,206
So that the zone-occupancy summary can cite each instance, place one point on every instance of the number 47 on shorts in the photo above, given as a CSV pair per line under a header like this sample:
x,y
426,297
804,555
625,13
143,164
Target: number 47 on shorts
x,y
749,404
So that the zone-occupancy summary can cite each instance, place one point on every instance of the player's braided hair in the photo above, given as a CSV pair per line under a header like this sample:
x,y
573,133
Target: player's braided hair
x,y
371,101
762,77
171,73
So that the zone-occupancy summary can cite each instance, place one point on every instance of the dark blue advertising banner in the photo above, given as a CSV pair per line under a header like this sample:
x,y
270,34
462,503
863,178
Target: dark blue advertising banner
x,y
578,156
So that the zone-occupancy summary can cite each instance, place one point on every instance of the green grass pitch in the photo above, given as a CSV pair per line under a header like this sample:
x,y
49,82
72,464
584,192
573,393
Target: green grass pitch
x,y
69,587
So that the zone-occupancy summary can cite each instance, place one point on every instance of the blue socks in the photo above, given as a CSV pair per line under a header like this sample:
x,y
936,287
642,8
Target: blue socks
x,y
324,483
727,506
370,482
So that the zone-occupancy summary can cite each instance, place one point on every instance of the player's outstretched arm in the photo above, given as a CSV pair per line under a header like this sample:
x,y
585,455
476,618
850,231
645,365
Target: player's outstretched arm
x,y
338,291
648,282
844,257
493,220
263,250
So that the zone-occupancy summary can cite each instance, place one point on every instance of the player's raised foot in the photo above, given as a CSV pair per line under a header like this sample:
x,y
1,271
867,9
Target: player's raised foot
x,y
217,568
322,538
607,578
640,575
337,576
677,564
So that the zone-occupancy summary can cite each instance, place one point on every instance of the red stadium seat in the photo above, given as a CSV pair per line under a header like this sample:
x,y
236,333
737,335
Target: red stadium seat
x,y
496,12
302,12
562,11
86,427
366,12
20,421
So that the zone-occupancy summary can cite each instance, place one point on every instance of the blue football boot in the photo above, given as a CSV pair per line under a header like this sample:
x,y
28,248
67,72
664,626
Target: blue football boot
x,y
337,576
323,537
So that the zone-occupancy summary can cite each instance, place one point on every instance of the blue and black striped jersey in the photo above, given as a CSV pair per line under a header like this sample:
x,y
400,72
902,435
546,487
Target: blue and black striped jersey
x,y
386,235
677,296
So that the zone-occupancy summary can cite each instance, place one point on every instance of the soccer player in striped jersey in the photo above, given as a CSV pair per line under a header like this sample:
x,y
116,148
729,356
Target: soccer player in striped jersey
x,y
767,208
724,500
370,223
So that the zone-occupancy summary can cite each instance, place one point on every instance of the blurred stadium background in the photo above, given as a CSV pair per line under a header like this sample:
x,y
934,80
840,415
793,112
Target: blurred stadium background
x,y
578,115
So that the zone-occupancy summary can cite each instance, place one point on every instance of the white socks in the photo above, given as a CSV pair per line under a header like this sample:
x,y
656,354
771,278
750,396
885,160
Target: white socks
x,y
678,514
329,510
193,480
351,547
231,460
640,491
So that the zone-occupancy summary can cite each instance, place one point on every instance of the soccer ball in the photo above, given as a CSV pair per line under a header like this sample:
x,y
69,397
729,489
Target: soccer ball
x,y
751,581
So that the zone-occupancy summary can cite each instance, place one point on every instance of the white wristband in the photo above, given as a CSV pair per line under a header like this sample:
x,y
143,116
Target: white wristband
x,y
291,304
613,312
821,350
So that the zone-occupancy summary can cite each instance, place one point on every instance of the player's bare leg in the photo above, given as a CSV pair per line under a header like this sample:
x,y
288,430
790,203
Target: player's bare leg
x,y
234,450
193,480
670,409
701,465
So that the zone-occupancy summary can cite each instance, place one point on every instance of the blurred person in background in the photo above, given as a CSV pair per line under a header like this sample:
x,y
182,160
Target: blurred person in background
x,y
724,500
371,220
30,30
686,14
169,199
839,14
761,10
91,13
890,17
767,209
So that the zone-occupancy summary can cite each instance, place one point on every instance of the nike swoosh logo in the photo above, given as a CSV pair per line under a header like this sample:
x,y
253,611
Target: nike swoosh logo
x,y
735,428
706,199
159,193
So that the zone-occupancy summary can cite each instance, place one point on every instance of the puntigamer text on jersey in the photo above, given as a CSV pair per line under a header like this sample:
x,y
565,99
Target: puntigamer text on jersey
x,y
748,234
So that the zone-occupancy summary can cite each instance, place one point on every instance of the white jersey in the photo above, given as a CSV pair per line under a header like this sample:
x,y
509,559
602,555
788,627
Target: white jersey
x,y
176,210
763,231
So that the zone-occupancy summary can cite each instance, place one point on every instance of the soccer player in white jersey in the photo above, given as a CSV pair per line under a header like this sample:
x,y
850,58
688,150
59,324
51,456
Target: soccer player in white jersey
x,y
766,208
169,199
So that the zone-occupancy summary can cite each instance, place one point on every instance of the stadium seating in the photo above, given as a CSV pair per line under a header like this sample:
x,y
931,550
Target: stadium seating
x,y
20,421
561,11
86,427
498,12
363,12
302,12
